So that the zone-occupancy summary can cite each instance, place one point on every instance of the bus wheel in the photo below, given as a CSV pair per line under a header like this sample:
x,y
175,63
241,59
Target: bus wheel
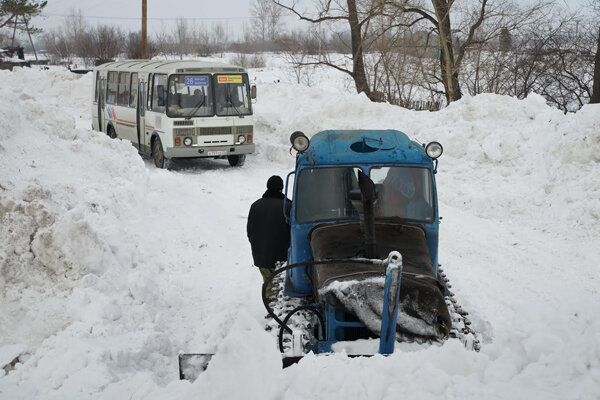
x,y
236,160
158,155
110,131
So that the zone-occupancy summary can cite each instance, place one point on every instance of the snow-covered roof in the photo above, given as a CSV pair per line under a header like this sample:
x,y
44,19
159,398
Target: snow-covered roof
x,y
170,66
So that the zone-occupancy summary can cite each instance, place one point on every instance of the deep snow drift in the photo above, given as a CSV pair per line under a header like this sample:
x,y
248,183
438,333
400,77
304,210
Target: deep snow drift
x,y
109,267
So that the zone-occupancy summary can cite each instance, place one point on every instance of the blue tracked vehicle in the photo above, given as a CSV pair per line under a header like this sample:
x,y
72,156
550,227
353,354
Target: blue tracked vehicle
x,y
362,201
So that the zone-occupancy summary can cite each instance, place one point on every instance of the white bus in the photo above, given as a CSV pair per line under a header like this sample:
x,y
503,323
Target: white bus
x,y
176,109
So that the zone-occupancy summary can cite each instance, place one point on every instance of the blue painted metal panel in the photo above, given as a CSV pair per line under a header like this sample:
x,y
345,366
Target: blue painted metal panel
x,y
387,146
391,298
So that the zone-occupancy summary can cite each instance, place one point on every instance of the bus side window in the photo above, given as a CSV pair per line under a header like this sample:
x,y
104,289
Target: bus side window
x,y
123,90
111,88
149,94
134,90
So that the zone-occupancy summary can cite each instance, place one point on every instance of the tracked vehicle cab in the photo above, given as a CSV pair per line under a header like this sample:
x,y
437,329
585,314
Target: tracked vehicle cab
x,y
329,221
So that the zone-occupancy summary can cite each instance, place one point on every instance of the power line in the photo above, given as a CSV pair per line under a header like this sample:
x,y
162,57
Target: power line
x,y
154,19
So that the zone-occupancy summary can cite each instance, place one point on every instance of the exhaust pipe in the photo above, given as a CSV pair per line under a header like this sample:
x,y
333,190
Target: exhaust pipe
x,y
368,195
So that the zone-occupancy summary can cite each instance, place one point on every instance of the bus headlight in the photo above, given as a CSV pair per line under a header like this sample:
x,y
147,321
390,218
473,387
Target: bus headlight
x,y
241,139
434,150
187,141
299,141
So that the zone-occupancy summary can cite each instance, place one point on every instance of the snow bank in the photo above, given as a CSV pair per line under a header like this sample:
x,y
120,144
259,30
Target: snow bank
x,y
109,268
246,364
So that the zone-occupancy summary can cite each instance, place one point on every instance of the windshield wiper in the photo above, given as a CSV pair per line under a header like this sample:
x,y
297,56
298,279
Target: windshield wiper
x,y
199,104
229,103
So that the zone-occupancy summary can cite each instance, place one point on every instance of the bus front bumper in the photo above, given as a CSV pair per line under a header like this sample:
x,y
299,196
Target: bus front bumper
x,y
209,151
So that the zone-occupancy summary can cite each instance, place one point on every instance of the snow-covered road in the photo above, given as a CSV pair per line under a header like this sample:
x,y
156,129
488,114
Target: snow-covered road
x,y
110,267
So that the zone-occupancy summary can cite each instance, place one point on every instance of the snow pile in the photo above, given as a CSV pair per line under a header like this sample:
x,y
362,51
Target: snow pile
x,y
109,268
243,364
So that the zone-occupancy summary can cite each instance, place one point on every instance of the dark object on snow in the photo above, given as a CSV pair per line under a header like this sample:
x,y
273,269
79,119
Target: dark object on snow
x,y
11,51
11,64
79,70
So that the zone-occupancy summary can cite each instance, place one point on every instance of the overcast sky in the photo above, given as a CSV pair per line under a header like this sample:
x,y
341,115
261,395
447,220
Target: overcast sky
x,y
161,13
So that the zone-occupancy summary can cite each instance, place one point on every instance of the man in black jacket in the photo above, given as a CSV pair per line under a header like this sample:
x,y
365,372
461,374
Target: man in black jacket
x,y
268,231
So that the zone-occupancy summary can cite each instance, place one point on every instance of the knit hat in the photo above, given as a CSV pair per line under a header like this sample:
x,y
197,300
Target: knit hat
x,y
275,183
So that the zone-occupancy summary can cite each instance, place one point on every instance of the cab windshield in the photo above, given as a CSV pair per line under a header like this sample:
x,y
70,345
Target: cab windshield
x,y
333,193
190,96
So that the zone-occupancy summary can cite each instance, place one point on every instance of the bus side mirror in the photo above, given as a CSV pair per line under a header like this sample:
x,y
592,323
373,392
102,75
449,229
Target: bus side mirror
x,y
160,93
253,91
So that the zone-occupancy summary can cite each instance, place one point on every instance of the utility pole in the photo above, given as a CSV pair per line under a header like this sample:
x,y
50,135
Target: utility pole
x,y
144,47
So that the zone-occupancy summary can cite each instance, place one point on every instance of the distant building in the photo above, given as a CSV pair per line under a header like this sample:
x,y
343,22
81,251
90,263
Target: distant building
x,y
12,57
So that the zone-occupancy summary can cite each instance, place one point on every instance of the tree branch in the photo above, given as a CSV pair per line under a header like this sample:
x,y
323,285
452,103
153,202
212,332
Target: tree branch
x,y
313,20
327,63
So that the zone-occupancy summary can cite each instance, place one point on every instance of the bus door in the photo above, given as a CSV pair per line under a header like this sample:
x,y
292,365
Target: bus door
x,y
140,116
101,82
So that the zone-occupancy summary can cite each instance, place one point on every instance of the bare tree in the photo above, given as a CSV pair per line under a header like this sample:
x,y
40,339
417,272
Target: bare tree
x,y
571,69
133,46
163,42
106,44
266,21
220,37
182,37
595,98
202,41
358,19
297,47
66,41
260,20
456,38
275,18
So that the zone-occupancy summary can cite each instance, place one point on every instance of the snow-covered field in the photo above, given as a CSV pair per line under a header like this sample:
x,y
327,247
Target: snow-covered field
x,y
110,267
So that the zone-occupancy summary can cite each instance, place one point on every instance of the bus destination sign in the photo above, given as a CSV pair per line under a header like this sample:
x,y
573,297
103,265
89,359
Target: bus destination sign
x,y
229,78
196,81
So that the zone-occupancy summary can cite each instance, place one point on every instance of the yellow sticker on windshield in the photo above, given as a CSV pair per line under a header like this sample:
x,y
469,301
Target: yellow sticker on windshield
x,y
229,78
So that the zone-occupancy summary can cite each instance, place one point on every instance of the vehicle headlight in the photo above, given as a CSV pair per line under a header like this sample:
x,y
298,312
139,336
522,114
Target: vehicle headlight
x,y
434,150
300,141
241,139
187,141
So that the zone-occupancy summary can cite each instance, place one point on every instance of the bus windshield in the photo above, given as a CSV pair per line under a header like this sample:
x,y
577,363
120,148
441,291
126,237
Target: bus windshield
x,y
327,193
232,94
190,96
